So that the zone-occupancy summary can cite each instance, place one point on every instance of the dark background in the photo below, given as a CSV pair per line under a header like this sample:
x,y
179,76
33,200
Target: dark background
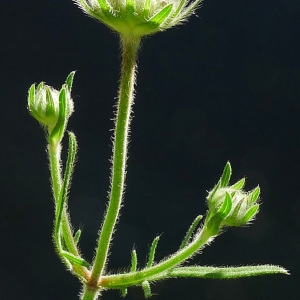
x,y
223,87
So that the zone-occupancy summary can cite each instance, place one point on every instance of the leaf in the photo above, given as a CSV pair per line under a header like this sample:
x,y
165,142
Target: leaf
x,y
105,7
75,259
123,292
190,231
152,252
31,96
235,218
251,213
179,8
146,289
129,5
226,207
50,107
146,9
69,81
226,175
162,15
77,236
133,261
63,195
254,195
212,193
57,132
227,272
239,185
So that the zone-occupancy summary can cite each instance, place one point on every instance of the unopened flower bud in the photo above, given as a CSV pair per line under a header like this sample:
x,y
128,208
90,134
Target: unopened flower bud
x,y
235,207
51,108
138,18
230,205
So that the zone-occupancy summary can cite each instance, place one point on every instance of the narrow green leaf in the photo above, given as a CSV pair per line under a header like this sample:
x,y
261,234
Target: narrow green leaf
x,y
133,261
146,9
254,195
191,230
227,272
49,100
226,175
162,15
129,6
123,292
251,213
75,259
88,9
212,193
40,86
152,252
226,206
105,7
239,185
69,81
66,183
107,10
146,289
188,10
235,218
178,9
77,236
31,96
58,130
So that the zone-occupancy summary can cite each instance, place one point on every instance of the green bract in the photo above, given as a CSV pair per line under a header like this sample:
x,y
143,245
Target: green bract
x,y
51,107
138,18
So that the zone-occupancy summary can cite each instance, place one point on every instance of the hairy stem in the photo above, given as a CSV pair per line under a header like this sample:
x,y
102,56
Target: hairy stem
x,y
161,269
90,293
54,151
125,100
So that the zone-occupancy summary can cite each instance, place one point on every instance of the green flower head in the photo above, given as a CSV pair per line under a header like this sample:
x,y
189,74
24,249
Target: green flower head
x,y
137,18
230,205
51,108
234,206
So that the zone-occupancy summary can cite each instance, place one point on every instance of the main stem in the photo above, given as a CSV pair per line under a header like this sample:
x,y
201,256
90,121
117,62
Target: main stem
x,y
130,48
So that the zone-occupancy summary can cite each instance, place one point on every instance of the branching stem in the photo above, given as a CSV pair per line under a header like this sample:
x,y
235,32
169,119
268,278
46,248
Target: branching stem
x,y
54,151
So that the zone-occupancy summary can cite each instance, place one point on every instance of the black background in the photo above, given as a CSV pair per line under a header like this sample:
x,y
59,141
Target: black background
x,y
223,87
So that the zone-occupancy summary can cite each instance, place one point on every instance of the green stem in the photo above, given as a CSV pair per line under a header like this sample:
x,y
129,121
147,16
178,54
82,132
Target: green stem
x,y
130,48
156,271
54,151
90,293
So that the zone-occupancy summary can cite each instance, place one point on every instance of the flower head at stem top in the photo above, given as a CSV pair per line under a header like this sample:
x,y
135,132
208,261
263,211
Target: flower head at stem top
x,y
52,108
230,205
137,18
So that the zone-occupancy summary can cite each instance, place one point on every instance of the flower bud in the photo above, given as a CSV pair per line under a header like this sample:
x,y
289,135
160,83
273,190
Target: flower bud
x,y
230,205
51,108
235,207
137,18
